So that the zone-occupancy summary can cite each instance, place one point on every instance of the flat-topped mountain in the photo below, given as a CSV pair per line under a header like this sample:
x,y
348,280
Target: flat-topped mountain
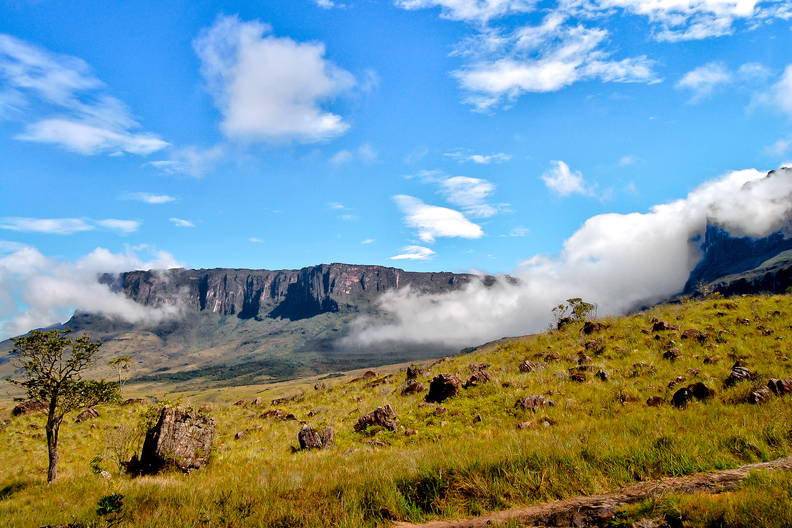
x,y
240,326
290,294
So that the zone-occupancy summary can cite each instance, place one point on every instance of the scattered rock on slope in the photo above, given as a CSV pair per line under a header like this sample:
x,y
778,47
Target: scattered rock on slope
x,y
28,407
87,414
382,416
181,438
442,387
697,391
310,438
739,373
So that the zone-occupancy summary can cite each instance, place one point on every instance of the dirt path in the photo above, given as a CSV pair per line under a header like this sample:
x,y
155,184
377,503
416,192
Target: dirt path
x,y
597,510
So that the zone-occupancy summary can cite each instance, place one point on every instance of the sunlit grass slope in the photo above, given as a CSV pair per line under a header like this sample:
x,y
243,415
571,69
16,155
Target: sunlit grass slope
x,y
467,458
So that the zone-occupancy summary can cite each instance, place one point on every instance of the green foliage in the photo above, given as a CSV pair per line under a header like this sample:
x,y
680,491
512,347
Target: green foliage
x,y
110,504
572,311
95,465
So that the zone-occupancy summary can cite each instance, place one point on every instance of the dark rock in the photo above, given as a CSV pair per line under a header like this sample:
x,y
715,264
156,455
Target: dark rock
x,y
29,407
589,327
552,356
413,372
320,386
655,401
310,438
413,387
410,432
780,386
579,377
595,346
379,381
442,387
659,325
479,376
239,403
697,391
531,402
381,416
583,359
701,391
440,410
530,366
672,354
477,418
739,373
711,360
240,435
760,395
279,414
524,425
87,414
694,333
258,401
182,438
676,381
602,375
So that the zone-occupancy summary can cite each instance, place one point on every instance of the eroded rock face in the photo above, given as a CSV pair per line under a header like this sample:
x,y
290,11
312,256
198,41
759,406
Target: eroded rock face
x,y
739,372
780,386
310,438
442,387
382,416
182,439
28,407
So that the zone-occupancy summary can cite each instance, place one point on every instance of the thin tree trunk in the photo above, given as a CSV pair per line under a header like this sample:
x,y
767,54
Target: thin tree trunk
x,y
53,426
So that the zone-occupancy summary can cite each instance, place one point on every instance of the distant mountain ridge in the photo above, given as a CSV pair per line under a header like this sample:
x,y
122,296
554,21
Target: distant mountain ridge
x,y
290,294
240,326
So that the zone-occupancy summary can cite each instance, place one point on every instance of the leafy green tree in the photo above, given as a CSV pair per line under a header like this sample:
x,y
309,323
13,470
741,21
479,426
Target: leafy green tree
x,y
51,364
572,311
121,366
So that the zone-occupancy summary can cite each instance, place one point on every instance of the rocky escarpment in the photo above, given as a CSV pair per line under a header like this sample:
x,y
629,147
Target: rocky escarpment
x,y
289,294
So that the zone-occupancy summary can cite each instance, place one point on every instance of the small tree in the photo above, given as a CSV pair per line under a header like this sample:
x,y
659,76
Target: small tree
x,y
121,366
572,311
51,365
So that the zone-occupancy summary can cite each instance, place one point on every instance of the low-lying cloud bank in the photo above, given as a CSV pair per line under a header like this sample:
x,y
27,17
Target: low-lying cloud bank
x,y
38,291
618,261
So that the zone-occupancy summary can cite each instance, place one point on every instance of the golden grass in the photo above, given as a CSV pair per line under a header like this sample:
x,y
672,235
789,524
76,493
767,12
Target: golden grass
x,y
600,434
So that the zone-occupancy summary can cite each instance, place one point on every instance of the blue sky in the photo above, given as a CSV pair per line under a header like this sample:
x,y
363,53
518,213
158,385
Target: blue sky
x,y
425,134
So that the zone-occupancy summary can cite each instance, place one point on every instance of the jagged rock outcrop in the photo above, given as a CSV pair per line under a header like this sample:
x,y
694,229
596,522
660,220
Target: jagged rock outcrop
x,y
181,438
290,294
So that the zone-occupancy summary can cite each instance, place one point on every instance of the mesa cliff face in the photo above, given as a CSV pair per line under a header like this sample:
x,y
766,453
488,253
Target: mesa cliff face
x,y
288,294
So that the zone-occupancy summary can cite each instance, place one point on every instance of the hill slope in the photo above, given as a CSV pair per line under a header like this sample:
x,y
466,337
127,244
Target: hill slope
x,y
482,450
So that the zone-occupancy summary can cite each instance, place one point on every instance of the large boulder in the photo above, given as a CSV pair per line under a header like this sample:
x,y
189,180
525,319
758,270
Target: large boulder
x,y
181,438
442,387
87,414
739,372
310,438
696,391
28,407
382,416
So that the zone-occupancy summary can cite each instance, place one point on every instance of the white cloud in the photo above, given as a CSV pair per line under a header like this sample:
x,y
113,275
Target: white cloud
x,y
150,198
338,206
618,261
181,222
66,226
256,240
543,58
781,92
94,122
365,153
191,160
470,194
519,231
564,181
627,160
471,10
481,159
779,147
431,221
270,88
122,226
39,291
414,253
368,241
325,4
703,80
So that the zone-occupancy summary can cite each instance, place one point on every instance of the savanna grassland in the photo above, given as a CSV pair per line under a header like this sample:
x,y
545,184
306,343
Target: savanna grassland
x,y
467,458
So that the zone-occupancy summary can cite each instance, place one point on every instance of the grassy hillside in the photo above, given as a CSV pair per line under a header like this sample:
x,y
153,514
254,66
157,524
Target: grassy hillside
x,y
476,454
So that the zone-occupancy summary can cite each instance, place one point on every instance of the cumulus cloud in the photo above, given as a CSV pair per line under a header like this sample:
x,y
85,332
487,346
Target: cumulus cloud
x,y
89,122
191,160
469,194
781,92
480,159
470,10
703,80
431,221
365,153
564,181
270,88
414,253
37,291
542,58
181,222
619,261
66,226
150,198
